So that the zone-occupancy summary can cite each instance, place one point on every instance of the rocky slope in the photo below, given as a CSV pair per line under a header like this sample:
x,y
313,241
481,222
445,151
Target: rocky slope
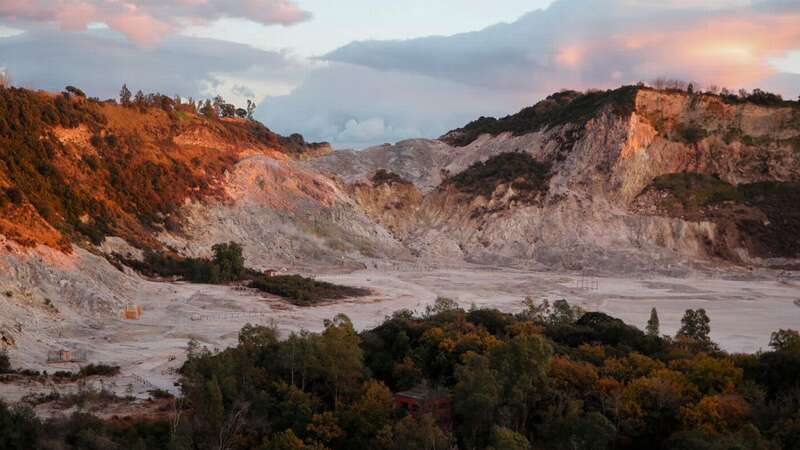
x,y
605,150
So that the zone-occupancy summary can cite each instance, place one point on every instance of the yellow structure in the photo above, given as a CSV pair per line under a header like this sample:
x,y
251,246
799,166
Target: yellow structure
x,y
132,312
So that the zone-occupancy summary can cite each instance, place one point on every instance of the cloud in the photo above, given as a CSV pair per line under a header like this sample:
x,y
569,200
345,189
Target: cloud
x,y
354,106
372,92
595,43
148,21
100,61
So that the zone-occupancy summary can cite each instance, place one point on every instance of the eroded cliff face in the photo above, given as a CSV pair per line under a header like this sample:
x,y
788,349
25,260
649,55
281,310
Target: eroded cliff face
x,y
599,211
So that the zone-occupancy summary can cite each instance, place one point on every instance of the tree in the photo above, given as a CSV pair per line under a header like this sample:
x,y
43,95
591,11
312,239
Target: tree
x,y
251,109
475,399
564,314
241,113
537,312
505,439
139,99
338,359
125,95
20,429
441,305
695,325
521,366
653,324
228,257
218,102
227,110
285,440
75,91
785,341
419,434
208,109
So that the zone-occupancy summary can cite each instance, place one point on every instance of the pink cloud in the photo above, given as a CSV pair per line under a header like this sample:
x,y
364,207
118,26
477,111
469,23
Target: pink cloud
x,y
148,21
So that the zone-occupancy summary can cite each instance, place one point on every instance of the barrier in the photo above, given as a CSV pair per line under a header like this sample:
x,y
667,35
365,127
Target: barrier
x,y
66,356
587,283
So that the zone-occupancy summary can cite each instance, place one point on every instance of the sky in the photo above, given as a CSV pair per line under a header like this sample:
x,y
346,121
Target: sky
x,y
364,72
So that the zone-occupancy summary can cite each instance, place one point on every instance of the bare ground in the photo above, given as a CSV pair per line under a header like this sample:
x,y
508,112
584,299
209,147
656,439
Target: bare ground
x,y
743,312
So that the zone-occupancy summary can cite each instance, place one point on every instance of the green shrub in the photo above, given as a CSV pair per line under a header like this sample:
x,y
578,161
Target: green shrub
x,y
305,291
383,176
558,109
693,190
521,170
98,369
691,133
5,362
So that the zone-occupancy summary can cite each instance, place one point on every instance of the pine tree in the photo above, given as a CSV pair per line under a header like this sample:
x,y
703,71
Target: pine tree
x,y
139,99
125,95
251,109
695,325
653,324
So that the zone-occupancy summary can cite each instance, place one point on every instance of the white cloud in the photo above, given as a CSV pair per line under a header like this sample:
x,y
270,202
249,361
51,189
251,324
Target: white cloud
x,y
148,21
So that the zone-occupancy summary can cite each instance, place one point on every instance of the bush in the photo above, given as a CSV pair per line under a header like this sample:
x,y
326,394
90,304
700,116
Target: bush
x,y
383,176
695,190
5,362
525,174
691,133
98,369
14,195
305,291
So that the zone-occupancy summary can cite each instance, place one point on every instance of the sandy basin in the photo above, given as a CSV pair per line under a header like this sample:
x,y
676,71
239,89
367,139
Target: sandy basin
x,y
743,314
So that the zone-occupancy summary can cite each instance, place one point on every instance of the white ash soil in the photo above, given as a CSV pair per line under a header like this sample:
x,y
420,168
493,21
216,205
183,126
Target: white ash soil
x,y
743,311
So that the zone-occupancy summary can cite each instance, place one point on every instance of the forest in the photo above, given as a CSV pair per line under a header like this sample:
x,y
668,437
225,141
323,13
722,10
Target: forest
x,y
549,377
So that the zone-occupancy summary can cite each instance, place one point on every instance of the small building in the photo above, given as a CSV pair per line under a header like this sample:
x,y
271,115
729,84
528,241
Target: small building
x,y
271,273
131,312
66,356
423,399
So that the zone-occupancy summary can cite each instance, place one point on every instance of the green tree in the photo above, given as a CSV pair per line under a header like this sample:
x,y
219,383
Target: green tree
x,y
695,325
228,258
419,434
785,341
139,99
521,366
285,440
564,314
251,109
20,429
537,312
505,439
653,327
208,110
339,361
441,305
476,397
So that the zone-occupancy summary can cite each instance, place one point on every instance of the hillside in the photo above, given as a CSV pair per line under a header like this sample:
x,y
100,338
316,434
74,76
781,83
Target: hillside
x,y
634,180
579,180
74,169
